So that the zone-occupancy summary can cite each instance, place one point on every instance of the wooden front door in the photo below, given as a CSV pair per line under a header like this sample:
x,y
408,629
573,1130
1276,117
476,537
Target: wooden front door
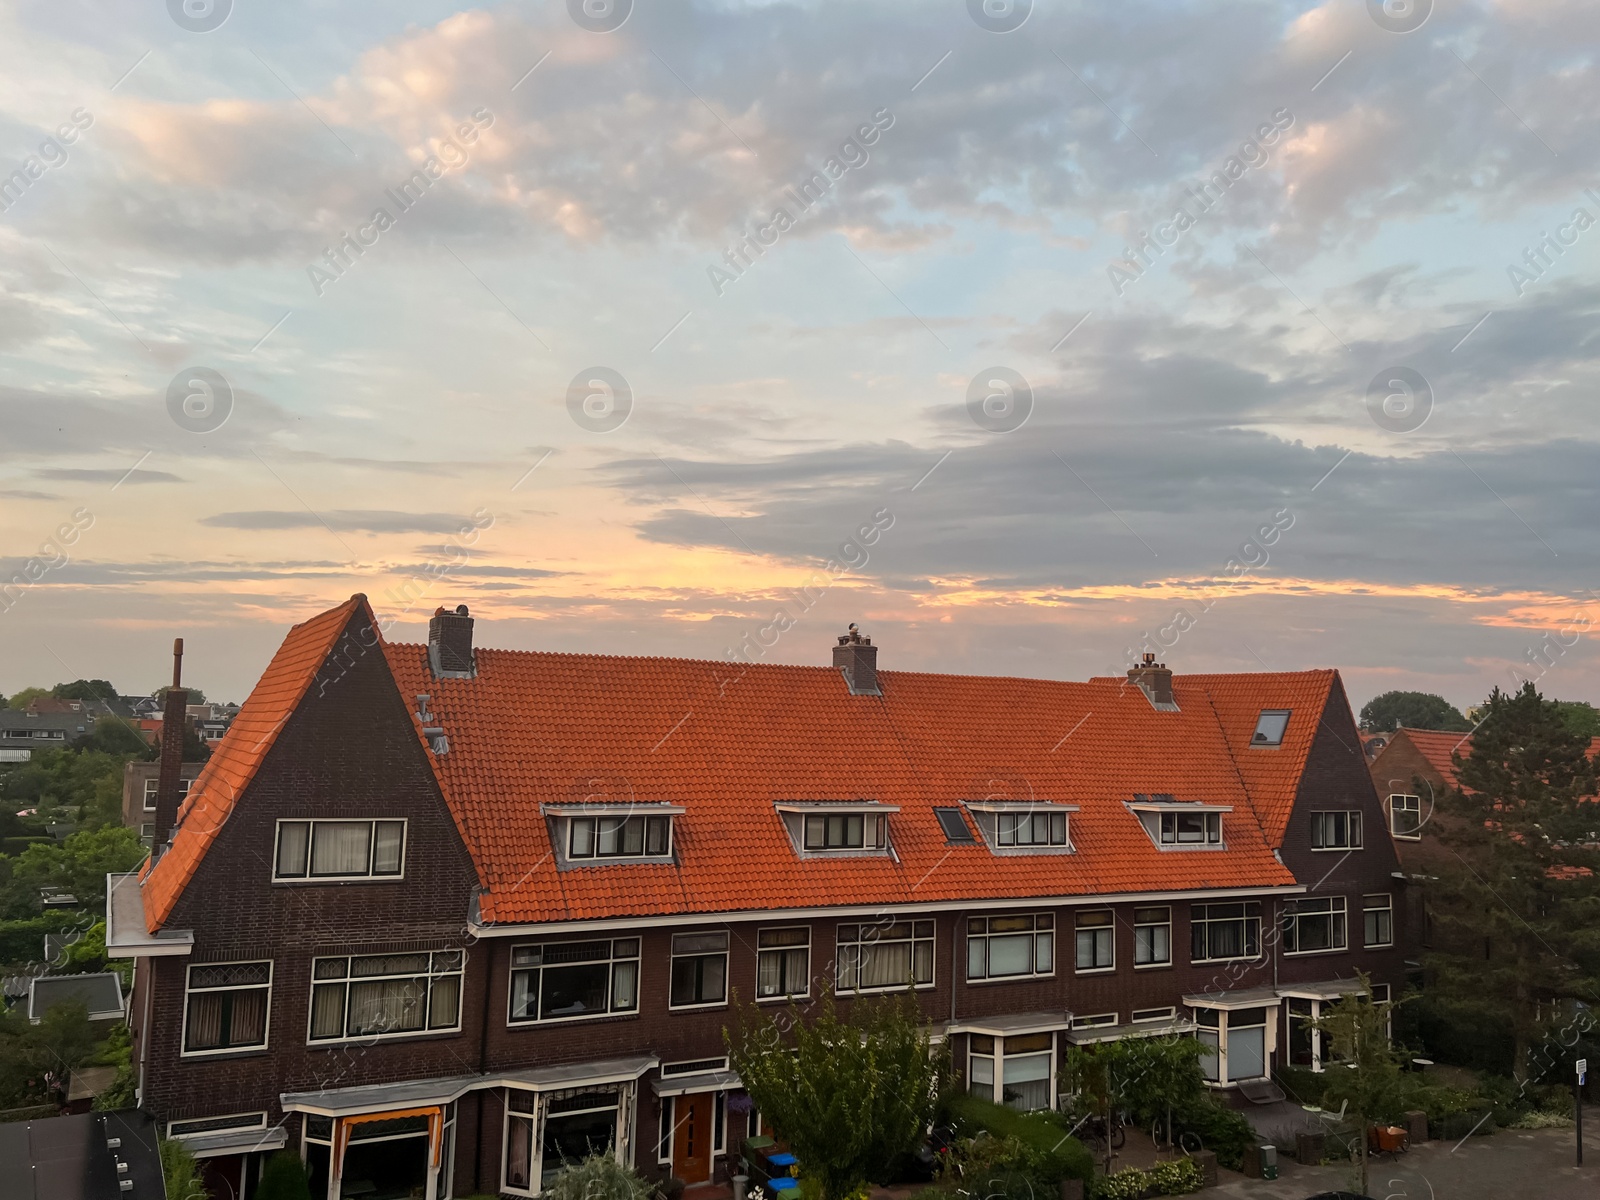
x,y
691,1137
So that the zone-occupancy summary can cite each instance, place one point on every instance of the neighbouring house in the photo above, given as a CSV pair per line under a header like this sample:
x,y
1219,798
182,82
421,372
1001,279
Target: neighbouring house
x,y
21,733
139,781
89,1156
99,993
441,917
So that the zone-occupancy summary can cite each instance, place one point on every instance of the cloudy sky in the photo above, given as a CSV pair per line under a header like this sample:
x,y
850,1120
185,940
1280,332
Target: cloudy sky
x,y
328,298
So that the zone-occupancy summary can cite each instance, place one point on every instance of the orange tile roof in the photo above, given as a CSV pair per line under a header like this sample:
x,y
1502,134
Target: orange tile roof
x,y
536,729
1436,746
235,758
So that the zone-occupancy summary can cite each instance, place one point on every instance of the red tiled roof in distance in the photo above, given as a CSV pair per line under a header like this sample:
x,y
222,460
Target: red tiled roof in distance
x,y
1436,746
235,759
542,728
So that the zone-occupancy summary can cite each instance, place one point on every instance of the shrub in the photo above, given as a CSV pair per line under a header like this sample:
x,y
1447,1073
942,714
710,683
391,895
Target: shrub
x,y
1303,1085
1177,1177
1127,1184
284,1178
181,1172
1044,1147
1219,1129
598,1177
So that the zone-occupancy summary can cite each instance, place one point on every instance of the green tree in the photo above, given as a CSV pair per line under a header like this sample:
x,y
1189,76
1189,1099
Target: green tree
x,y
25,697
78,865
84,689
284,1178
1580,717
113,735
1414,710
1372,1084
37,1059
1515,906
181,1171
848,1096
196,696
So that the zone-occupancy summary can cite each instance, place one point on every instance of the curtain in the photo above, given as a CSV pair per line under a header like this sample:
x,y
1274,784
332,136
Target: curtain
x,y
388,848
980,1076
445,1003
205,1021
885,964
1247,1053
519,1143
1011,955
248,1018
1027,1081
769,973
327,1010
292,838
387,1005
340,848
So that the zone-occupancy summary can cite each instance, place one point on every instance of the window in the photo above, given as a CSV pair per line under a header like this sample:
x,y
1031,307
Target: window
x,y
845,831
340,850
153,784
1031,829
1096,941
1247,1043
1222,931
1312,925
1191,829
954,826
385,995
1152,937
1336,831
1377,913
1270,726
1097,1021
893,954
1405,817
699,969
1141,1015
619,837
199,1125
1025,1073
226,1007
1007,947
558,981
547,1132
783,962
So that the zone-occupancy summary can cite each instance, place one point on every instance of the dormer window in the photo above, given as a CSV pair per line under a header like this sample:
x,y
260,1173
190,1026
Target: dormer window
x,y
590,834
831,827
1269,727
1023,827
1180,825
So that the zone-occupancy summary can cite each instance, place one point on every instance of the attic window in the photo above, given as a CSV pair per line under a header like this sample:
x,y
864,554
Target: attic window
x,y
829,827
590,834
954,825
1270,727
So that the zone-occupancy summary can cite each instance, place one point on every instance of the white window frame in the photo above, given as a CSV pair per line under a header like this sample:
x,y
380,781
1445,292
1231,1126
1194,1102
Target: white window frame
x,y
266,1018
1040,931
917,939
721,1001
995,1054
783,951
1009,828
539,1117
1337,911
1144,1016
372,849
348,980
1223,1031
1095,1021
151,786
1250,916
802,817
1286,713
1108,927
1325,821
1147,924
592,824
872,827
1415,835
227,1123
1210,829
1000,824
1386,907
614,956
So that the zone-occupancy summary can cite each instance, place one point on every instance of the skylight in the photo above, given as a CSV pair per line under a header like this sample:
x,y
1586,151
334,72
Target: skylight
x,y
954,825
1270,727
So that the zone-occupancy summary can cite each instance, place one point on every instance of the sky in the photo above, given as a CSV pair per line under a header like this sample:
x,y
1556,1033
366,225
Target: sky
x,y
1027,337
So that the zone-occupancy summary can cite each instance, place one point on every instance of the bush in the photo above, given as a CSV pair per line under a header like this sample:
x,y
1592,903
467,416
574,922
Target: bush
x,y
598,1177
1128,1184
1303,1085
284,1178
1177,1177
1044,1147
181,1172
1219,1129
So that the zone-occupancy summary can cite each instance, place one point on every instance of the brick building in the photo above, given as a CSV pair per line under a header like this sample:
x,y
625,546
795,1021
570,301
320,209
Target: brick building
x,y
440,916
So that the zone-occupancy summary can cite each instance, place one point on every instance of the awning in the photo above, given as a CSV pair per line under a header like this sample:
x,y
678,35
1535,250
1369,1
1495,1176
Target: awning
x,y
1248,998
235,1141
704,1081
1012,1024
1333,989
344,1102
1115,1033
126,935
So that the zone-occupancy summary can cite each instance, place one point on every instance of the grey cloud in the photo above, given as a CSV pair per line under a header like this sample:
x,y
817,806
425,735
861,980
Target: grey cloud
x,y
341,520
108,475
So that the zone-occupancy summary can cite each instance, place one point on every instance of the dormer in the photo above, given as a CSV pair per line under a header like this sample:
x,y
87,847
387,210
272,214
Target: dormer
x,y
1175,824
830,829
1023,826
592,835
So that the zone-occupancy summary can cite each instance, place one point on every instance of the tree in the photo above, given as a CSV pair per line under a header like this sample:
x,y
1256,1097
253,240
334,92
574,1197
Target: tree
x,y
847,1095
20,701
78,865
1580,717
1516,910
284,1178
181,1171
1370,1083
112,735
84,689
196,696
36,1059
1414,710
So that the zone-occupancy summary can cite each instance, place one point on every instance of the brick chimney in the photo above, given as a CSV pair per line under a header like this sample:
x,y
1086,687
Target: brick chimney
x,y
857,657
1155,681
450,644
169,786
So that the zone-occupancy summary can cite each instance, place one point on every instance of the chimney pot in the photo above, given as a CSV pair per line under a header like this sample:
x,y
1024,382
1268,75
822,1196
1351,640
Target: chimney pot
x,y
1155,681
450,644
857,658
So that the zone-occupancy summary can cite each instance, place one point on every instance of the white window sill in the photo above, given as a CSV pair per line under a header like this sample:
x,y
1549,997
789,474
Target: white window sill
x,y
535,1022
1023,978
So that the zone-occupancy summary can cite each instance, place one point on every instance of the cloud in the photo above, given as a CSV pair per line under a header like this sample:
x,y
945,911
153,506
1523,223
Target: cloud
x,y
341,521
108,475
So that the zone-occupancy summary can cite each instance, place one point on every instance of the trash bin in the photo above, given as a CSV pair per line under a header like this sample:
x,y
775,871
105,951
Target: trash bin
x,y
740,1183
1269,1162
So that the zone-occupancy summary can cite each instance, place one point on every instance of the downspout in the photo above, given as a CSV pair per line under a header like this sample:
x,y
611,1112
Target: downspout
x,y
483,1069
955,961
144,1026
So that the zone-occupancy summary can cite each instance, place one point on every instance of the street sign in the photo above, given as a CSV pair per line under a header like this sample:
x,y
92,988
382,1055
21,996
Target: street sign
x,y
1583,1066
